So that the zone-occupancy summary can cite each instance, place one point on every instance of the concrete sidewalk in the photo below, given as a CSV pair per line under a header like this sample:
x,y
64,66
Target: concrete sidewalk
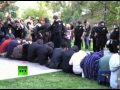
x,y
9,68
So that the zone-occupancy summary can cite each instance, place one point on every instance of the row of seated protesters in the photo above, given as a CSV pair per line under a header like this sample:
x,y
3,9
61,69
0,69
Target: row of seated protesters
x,y
102,66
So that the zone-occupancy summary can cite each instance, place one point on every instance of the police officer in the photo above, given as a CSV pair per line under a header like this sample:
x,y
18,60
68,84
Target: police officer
x,y
79,34
114,36
57,31
101,36
93,36
115,33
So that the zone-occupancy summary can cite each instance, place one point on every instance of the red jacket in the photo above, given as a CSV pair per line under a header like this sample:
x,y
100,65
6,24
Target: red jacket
x,y
4,45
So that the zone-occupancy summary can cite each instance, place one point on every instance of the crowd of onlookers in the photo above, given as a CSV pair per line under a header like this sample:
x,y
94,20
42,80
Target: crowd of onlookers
x,y
39,41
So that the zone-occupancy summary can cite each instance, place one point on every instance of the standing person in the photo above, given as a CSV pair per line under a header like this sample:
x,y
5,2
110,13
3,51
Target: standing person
x,y
8,27
93,36
18,31
87,33
57,31
101,36
29,33
78,34
114,36
25,29
68,35
47,34
45,24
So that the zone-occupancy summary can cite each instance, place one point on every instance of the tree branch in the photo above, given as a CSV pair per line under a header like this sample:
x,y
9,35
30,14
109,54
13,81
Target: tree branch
x,y
108,8
5,4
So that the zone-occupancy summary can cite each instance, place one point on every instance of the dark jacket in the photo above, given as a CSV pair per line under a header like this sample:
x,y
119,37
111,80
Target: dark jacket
x,y
32,51
78,32
56,58
65,61
66,58
43,52
32,54
25,51
102,32
115,35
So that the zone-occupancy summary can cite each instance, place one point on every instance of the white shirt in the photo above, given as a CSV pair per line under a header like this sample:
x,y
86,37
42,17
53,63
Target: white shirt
x,y
114,63
75,61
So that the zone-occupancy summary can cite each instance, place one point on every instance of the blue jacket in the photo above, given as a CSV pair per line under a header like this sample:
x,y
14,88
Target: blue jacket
x,y
90,64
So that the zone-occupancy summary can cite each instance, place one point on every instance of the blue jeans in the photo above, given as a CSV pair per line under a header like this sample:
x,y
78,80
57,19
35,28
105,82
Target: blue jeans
x,y
86,42
68,43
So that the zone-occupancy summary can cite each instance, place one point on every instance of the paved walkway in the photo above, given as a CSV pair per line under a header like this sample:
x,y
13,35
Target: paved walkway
x,y
9,68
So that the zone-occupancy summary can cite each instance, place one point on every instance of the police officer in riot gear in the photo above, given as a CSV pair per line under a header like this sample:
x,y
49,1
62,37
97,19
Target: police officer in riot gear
x,y
57,31
93,36
79,33
101,36
114,37
115,33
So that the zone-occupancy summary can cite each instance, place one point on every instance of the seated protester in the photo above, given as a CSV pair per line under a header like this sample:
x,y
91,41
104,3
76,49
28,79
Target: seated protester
x,y
25,49
44,52
17,52
115,70
32,50
11,47
90,64
4,45
56,59
113,46
104,70
66,58
75,61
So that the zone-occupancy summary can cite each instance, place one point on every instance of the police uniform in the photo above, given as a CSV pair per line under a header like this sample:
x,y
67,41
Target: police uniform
x,y
101,37
57,33
94,37
114,36
78,34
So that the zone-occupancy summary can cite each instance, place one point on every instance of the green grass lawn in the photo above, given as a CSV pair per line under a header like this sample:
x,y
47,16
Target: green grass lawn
x,y
58,80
